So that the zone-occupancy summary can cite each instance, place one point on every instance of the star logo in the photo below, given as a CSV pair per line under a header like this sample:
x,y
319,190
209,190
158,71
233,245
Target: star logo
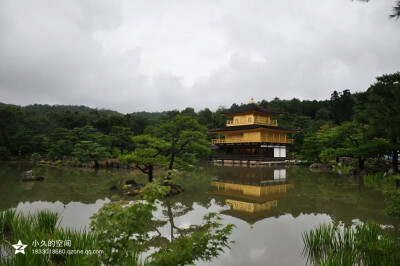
x,y
19,247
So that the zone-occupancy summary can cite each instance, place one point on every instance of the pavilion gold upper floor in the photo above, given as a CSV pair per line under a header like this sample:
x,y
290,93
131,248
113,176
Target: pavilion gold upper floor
x,y
251,137
251,119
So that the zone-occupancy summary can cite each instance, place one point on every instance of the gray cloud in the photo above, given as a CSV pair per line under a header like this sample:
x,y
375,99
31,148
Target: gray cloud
x,y
160,55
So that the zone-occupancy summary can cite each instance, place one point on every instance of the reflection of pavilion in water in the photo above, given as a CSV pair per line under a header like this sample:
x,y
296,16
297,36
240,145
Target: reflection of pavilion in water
x,y
252,193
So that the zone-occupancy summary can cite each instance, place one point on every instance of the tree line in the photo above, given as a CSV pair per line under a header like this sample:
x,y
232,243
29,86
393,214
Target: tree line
x,y
359,125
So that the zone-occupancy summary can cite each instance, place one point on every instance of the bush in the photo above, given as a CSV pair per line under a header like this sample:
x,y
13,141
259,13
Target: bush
x,y
4,153
36,157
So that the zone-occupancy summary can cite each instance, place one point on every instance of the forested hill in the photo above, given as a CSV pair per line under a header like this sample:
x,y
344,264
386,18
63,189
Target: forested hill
x,y
43,109
24,130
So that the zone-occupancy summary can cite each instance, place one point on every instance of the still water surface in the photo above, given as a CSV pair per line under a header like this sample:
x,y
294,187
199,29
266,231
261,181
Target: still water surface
x,y
270,206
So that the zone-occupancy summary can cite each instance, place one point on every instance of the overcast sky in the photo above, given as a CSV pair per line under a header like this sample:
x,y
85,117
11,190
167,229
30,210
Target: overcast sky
x,y
161,55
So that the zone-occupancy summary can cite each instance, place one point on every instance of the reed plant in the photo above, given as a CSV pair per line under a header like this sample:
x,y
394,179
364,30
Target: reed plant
x,y
42,226
46,221
364,244
373,180
119,236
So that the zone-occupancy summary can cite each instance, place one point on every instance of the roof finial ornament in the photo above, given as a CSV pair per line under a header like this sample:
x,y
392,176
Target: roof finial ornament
x,y
252,100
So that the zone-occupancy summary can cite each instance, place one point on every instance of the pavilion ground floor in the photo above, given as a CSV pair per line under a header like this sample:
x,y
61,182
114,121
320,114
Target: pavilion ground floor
x,y
248,153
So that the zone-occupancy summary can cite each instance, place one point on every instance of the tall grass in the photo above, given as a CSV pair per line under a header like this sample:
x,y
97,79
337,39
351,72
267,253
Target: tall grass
x,y
37,227
46,221
362,245
373,180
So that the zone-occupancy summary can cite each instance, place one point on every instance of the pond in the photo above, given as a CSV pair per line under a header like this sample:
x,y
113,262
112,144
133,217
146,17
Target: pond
x,y
270,206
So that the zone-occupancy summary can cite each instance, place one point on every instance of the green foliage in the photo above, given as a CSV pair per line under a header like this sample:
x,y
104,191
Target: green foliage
x,y
36,157
379,107
47,221
312,148
123,233
373,180
184,135
393,203
123,229
393,198
364,245
200,245
38,227
121,137
4,152
148,153
341,106
395,9
86,151
347,140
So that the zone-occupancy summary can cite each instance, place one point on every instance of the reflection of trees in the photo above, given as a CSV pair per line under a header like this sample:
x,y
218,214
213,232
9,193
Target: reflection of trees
x,y
343,197
60,184
174,210
171,209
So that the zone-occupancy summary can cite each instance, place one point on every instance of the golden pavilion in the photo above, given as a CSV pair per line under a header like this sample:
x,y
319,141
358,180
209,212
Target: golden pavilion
x,y
250,135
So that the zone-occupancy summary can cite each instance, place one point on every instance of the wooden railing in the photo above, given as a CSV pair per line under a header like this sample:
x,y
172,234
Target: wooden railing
x,y
245,157
248,140
256,121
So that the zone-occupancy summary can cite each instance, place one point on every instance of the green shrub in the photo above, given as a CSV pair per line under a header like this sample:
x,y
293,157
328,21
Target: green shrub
x,y
36,157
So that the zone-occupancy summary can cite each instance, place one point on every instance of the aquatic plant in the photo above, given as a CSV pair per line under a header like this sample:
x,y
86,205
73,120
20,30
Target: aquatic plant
x,y
34,228
364,244
373,180
46,221
120,233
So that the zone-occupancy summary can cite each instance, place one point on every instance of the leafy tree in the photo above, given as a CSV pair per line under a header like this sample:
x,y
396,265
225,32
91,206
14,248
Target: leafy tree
x,y
379,107
11,118
205,118
312,147
189,111
185,136
87,151
86,133
121,137
322,114
341,106
60,143
395,10
148,153
349,139
137,123
21,142
4,152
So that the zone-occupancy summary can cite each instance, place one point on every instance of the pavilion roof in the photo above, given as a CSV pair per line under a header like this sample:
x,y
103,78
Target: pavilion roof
x,y
248,108
247,127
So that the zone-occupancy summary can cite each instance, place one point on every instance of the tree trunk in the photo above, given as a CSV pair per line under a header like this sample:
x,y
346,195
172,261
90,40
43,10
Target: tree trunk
x,y
150,173
361,163
171,218
171,161
317,156
96,164
395,161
